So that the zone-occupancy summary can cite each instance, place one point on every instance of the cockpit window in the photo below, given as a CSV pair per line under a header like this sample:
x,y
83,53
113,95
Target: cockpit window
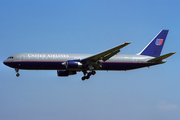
x,y
11,57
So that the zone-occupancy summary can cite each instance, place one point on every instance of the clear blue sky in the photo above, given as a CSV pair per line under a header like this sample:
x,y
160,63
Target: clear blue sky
x,y
82,26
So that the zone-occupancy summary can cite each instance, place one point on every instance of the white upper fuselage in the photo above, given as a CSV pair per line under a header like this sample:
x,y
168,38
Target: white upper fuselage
x,y
64,57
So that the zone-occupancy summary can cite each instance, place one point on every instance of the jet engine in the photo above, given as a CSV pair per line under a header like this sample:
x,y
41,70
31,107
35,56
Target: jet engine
x,y
65,72
72,64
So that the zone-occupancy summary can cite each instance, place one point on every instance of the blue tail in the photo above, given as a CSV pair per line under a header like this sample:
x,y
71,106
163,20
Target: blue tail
x,y
154,48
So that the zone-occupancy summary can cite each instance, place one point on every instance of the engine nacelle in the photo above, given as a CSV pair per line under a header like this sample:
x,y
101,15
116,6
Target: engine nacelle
x,y
72,64
65,72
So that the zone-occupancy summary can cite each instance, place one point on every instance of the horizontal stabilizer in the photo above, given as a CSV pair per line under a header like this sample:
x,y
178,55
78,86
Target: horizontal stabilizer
x,y
161,57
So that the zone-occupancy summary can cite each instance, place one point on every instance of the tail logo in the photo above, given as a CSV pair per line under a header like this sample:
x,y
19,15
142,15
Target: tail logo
x,y
159,41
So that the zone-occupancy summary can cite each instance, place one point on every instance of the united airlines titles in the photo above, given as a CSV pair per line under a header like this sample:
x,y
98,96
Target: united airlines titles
x,y
46,56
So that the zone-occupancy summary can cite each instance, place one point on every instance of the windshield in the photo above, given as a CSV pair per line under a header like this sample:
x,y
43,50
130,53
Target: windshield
x,y
11,57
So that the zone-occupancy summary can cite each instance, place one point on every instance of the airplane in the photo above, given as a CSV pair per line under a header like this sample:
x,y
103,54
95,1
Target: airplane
x,y
109,60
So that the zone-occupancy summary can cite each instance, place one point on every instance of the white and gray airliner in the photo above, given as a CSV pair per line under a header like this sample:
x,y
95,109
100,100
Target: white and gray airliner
x,y
70,64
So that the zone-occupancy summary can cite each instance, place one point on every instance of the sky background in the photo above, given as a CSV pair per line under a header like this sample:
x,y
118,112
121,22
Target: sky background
x,y
89,26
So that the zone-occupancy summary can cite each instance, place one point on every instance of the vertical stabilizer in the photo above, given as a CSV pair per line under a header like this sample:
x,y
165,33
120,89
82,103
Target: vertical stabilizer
x,y
154,48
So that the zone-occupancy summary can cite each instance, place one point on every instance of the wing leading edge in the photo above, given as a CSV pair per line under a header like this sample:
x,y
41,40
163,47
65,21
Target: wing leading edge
x,y
106,54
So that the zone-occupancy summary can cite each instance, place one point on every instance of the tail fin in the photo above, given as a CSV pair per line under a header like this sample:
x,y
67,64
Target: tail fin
x,y
154,48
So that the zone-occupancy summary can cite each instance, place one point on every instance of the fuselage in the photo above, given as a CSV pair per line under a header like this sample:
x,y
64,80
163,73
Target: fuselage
x,y
49,61
70,64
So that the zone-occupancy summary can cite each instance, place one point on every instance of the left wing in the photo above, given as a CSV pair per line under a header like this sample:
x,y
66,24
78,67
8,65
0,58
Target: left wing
x,y
105,55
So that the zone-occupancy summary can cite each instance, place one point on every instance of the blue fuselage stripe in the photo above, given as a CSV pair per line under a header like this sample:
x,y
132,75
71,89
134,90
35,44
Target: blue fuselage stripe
x,y
57,65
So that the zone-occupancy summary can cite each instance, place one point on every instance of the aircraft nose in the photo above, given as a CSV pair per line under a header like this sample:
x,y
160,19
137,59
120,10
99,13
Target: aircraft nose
x,y
5,62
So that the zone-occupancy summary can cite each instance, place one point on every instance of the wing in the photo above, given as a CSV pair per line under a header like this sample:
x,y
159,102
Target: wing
x,y
105,55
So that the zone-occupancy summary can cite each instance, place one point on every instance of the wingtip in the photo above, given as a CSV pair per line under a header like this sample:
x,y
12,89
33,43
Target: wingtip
x,y
127,42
